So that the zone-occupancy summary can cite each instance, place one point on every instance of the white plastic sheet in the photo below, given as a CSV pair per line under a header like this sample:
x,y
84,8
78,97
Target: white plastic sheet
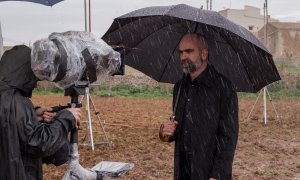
x,y
108,170
112,169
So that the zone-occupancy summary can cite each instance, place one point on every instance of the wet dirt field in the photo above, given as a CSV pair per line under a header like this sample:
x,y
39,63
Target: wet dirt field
x,y
269,151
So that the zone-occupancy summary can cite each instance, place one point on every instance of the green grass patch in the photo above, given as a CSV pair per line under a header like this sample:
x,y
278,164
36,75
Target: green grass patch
x,y
133,91
287,66
276,90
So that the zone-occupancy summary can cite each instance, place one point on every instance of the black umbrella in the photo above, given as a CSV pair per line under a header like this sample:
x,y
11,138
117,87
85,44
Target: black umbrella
x,y
44,2
152,36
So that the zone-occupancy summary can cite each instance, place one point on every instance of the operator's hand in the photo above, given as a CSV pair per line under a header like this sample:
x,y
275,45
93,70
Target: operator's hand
x,y
77,115
212,179
45,114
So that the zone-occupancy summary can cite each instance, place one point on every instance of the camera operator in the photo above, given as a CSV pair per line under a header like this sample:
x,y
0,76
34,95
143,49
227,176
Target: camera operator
x,y
24,141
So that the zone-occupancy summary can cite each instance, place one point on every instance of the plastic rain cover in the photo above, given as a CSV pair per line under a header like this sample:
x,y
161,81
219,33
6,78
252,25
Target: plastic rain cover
x,y
59,58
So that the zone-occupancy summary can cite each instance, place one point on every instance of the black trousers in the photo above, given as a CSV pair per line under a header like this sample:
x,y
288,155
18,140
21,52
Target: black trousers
x,y
185,166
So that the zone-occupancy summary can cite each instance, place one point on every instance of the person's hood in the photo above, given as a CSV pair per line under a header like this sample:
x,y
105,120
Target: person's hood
x,y
15,70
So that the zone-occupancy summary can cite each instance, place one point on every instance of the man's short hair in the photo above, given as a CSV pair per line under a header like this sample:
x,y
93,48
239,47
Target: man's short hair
x,y
201,39
203,42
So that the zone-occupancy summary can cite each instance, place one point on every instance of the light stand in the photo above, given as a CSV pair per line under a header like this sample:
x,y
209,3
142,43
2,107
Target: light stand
x,y
265,89
89,139
265,92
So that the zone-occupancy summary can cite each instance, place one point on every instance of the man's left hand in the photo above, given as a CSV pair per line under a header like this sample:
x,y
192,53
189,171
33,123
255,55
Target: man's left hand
x,y
212,179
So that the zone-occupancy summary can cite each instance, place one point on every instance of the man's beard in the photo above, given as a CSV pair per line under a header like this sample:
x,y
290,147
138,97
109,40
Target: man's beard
x,y
189,67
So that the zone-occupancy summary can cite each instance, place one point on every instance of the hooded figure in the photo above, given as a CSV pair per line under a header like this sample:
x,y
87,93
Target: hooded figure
x,y
24,141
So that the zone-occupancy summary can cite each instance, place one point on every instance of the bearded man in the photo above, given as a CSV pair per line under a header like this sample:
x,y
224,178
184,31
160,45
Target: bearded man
x,y
205,125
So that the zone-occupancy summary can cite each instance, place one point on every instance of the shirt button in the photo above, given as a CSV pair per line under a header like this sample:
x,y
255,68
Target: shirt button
x,y
189,100
185,132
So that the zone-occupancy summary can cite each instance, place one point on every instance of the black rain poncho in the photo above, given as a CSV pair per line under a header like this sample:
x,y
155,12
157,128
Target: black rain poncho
x,y
23,140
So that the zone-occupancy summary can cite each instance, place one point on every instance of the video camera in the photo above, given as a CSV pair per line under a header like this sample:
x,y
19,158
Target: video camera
x,y
73,60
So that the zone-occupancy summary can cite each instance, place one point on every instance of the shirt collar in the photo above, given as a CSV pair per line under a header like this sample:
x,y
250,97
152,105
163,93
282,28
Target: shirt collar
x,y
207,77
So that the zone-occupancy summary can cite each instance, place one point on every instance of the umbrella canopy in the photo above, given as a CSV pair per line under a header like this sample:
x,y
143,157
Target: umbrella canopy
x,y
152,36
44,2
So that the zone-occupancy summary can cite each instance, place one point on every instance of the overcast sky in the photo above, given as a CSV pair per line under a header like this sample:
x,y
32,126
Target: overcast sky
x,y
24,22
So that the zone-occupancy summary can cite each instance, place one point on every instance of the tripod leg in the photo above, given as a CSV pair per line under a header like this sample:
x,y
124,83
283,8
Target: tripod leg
x,y
81,99
271,101
98,118
85,136
89,120
253,106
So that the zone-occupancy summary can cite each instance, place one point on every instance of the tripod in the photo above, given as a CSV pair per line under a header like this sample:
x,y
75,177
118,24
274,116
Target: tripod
x,y
265,92
89,139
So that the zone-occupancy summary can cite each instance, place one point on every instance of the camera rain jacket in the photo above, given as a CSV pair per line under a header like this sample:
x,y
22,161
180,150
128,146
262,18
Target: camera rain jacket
x,y
24,141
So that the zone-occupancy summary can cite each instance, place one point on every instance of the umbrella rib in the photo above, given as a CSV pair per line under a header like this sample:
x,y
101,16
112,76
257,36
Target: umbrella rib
x,y
169,60
237,54
147,35
135,45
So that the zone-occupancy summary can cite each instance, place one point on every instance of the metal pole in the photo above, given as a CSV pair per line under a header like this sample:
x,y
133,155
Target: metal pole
x,y
85,17
210,4
265,30
270,98
253,106
1,42
90,17
207,4
267,18
265,105
266,44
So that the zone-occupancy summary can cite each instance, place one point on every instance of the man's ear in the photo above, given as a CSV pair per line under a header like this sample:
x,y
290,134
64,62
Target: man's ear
x,y
204,54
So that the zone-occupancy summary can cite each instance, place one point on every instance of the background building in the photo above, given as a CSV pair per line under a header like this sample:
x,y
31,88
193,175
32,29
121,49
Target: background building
x,y
283,39
249,17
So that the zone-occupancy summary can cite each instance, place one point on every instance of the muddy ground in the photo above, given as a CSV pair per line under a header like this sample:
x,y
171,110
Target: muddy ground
x,y
269,151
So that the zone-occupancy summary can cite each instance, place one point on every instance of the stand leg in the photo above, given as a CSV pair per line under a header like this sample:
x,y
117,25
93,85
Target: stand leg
x,y
89,120
253,106
97,114
86,134
265,92
89,131
271,101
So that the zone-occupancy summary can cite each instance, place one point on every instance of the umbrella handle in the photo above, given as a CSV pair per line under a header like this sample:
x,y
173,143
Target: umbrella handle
x,y
162,137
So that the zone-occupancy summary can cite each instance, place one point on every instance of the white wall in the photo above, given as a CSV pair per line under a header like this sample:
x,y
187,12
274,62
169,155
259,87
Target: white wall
x,y
249,16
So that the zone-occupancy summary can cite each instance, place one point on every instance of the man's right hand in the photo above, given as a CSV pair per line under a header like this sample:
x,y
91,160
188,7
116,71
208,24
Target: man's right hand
x,y
167,130
77,115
